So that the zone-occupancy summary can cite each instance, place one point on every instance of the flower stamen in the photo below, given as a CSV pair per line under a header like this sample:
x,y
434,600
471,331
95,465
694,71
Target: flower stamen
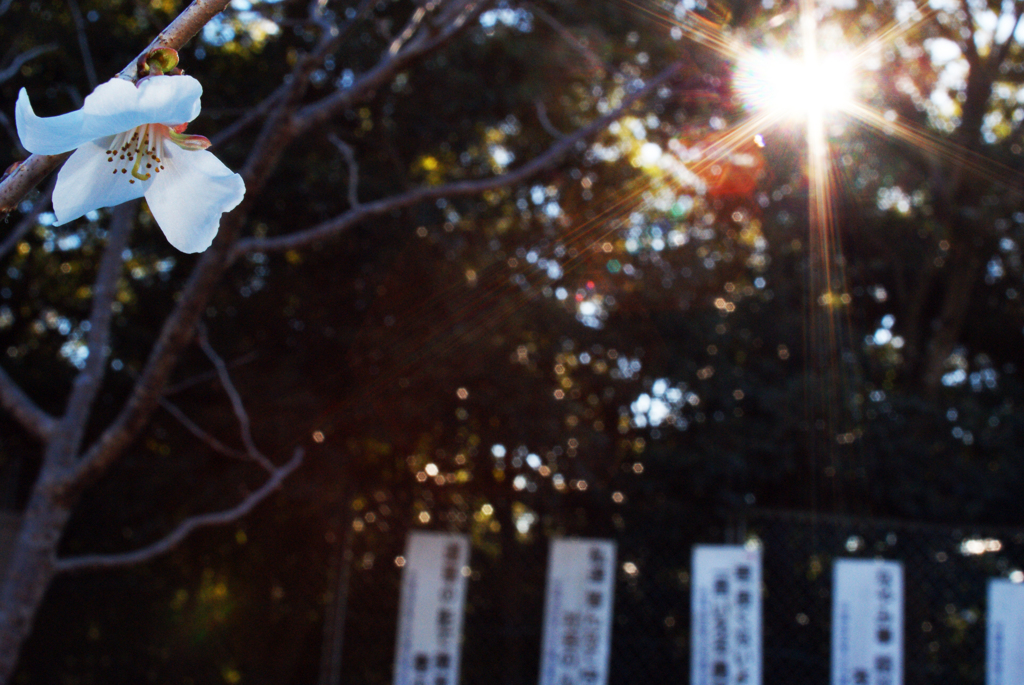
x,y
140,146
135,170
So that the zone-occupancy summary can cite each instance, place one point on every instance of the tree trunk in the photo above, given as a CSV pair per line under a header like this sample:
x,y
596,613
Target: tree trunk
x,y
955,305
30,573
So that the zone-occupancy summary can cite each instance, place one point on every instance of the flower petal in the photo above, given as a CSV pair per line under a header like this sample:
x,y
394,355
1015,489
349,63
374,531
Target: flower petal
x,y
169,100
114,107
87,181
189,195
49,136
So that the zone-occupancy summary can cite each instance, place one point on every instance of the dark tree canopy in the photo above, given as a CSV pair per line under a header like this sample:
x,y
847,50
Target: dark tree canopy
x,y
682,314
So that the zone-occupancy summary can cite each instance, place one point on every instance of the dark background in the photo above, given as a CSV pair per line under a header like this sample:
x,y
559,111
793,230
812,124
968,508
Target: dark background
x,y
536,318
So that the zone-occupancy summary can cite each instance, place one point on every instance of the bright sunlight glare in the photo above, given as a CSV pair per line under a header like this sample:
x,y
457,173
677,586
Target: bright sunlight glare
x,y
795,88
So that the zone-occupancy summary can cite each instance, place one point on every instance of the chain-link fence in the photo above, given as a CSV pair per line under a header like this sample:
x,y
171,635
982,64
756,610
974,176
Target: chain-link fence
x,y
946,570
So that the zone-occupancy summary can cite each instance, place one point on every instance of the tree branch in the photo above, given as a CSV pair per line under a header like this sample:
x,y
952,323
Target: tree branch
x,y
29,54
998,57
458,188
193,428
13,398
244,424
252,115
174,335
179,325
24,410
27,222
26,177
408,51
353,167
87,382
207,376
83,43
184,529
180,31
566,35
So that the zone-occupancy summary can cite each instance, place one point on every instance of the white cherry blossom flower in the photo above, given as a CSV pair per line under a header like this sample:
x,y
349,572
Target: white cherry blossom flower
x,y
129,142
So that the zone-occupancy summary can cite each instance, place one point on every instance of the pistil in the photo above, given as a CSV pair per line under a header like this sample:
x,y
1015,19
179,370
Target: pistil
x,y
141,144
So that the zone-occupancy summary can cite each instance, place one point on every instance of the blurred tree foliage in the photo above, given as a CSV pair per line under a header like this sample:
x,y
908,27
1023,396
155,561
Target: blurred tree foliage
x,y
634,336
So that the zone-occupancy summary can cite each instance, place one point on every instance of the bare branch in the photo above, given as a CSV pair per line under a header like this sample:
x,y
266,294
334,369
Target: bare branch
x,y
104,290
353,168
545,123
251,116
83,43
29,54
967,44
207,376
278,131
333,37
24,410
180,31
411,50
184,529
1004,48
27,222
12,397
26,177
409,31
174,336
5,121
587,53
193,428
245,426
35,168
459,188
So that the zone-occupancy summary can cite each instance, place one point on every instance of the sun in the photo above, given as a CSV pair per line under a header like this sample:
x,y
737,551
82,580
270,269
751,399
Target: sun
x,y
796,88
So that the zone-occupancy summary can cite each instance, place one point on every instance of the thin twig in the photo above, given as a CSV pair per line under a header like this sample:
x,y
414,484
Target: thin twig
x,y
24,410
999,56
459,188
184,529
193,428
420,45
574,42
241,415
353,168
5,121
410,29
83,44
180,31
545,123
252,115
27,222
207,376
11,69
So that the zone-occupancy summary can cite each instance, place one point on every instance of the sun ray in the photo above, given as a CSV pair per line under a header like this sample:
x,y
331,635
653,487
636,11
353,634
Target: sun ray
x,y
931,143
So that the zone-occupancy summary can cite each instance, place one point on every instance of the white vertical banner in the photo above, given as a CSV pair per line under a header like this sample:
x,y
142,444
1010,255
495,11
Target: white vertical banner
x,y
867,622
725,633
431,608
578,612
1004,633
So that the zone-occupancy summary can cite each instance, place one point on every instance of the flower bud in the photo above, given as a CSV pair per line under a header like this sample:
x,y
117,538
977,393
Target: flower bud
x,y
158,61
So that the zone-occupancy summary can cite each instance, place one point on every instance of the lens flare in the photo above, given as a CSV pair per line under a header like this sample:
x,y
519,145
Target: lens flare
x,y
795,88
